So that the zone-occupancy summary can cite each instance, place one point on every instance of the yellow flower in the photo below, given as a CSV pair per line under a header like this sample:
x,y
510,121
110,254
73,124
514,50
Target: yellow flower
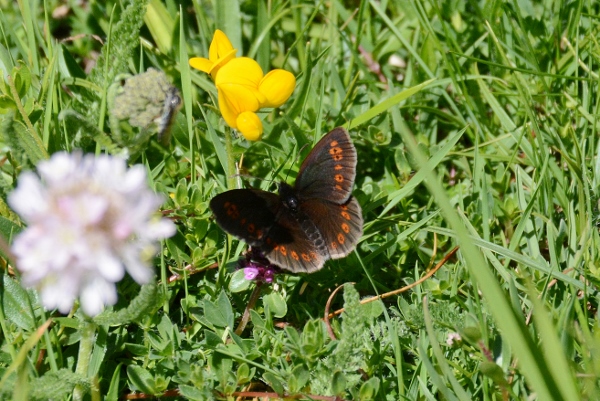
x,y
220,52
244,89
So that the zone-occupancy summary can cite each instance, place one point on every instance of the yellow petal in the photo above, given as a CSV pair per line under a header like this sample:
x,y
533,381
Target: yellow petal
x,y
227,110
220,46
277,86
250,126
242,71
234,100
221,62
201,63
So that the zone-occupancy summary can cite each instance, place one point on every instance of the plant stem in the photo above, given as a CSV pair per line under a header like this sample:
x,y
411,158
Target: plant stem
x,y
230,159
86,346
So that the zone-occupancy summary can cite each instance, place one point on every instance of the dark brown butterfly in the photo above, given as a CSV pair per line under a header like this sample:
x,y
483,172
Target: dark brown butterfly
x,y
315,220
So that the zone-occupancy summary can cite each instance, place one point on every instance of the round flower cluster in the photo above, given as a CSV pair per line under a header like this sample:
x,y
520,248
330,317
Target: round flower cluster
x,y
89,219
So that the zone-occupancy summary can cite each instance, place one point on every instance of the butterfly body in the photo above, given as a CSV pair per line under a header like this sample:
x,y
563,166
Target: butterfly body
x,y
306,224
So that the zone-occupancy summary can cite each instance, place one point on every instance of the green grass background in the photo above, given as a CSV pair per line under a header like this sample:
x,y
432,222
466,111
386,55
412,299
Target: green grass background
x,y
475,124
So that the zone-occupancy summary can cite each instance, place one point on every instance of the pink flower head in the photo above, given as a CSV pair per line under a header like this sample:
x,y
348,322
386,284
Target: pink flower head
x,y
89,220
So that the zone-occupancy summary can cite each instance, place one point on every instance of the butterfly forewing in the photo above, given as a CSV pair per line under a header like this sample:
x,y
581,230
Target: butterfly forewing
x,y
341,229
247,214
329,170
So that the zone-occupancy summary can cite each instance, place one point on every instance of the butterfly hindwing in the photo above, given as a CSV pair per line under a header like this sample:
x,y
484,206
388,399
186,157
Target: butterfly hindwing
x,y
329,170
341,229
290,246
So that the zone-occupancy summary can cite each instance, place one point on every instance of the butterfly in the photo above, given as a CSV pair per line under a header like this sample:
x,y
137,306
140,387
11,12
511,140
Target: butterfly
x,y
308,223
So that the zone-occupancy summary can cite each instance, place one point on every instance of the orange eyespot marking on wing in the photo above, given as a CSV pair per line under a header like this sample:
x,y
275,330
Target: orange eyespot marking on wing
x,y
338,167
338,178
345,228
306,257
338,187
341,239
313,255
294,255
333,143
344,207
336,154
232,210
259,234
334,245
251,228
345,215
282,250
242,222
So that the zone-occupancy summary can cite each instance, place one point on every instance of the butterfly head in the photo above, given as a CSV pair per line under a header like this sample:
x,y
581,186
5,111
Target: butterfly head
x,y
288,197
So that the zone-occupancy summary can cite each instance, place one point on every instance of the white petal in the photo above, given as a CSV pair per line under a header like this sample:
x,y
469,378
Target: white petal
x,y
110,267
29,199
137,269
96,294
59,167
160,229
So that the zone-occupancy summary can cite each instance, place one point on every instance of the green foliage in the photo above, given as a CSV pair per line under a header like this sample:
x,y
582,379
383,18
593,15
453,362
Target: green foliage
x,y
144,304
123,40
475,125
56,385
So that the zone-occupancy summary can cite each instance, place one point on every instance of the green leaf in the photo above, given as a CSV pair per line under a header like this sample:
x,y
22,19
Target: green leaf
x,y
276,303
298,379
313,337
141,379
113,390
16,304
338,383
22,77
387,104
160,24
192,393
20,138
368,389
274,382
216,141
238,282
220,313
494,372
229,20
243,374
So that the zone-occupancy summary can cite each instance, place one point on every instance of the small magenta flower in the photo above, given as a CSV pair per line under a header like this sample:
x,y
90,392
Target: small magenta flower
x,y
244,89
257,267
89,220
250,273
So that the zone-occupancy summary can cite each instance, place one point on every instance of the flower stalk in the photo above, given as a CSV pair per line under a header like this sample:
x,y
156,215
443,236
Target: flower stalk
x,y
231,170
86,346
